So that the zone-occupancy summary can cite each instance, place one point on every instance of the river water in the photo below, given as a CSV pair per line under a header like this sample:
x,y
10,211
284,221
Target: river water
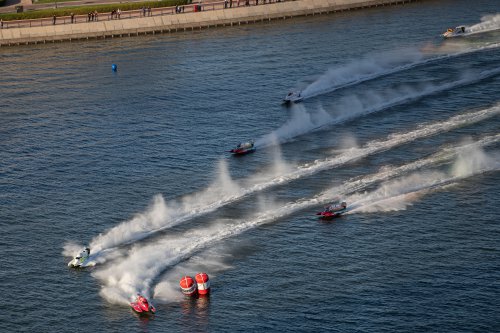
x,y
399,123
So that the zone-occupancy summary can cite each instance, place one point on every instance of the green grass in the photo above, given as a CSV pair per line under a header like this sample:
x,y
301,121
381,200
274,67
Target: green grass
x,y
84,10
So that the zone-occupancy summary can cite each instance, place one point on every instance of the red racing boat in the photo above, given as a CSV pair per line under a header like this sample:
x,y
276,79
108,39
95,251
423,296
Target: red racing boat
x,y
333,211
142,306
243,148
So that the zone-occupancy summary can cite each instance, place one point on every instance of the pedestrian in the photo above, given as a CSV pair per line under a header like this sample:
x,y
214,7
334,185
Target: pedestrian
x,y
72,18
95,15
230,3
1,23
225,4
118,12
54,20
143,11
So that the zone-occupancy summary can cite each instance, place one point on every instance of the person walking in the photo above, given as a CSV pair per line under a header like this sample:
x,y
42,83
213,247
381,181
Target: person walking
x,y
72,18
54,20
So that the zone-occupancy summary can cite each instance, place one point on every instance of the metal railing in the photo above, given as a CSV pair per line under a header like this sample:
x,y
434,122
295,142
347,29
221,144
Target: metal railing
x,y
144,12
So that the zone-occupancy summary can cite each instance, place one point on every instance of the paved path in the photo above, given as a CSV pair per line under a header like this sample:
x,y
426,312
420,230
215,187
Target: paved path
x,y
10,6
163,20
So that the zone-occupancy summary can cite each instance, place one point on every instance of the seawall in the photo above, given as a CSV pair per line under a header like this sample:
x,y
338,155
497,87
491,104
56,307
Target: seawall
x,y
168,22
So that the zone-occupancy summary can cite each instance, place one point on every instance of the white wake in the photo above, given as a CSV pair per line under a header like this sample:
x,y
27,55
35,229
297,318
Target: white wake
x,y
161,215
138,271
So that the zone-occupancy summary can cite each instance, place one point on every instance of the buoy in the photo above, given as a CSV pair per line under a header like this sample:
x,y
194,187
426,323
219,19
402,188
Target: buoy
x,y
114,67
188,286
203,283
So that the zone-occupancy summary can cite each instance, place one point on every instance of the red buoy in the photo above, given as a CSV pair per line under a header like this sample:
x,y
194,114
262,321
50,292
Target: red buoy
x,y
203,283
188,286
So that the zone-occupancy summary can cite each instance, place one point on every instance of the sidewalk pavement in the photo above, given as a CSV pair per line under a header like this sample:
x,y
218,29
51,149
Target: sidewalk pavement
x,y
10,6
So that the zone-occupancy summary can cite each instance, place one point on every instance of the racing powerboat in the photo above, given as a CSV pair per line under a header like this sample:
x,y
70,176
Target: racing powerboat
x,y
243,148
81,259
334,210
458,31
293,97
142,305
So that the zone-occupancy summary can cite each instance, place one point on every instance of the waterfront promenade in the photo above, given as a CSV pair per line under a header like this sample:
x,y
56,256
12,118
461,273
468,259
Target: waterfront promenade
x,y
165,20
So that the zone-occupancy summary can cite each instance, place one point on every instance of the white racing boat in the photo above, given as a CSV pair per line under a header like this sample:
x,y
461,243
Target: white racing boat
x,y
81,259
457,32
293,96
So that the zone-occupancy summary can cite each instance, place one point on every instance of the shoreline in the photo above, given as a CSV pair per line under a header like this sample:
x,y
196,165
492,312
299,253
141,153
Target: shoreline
x,y
168,21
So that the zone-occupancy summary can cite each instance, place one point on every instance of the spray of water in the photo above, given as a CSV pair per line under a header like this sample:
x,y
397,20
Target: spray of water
x,y
138,271
216,195
213,260
71,249
488,23
159,215
361,70
347,108
470,159
379,65
398,194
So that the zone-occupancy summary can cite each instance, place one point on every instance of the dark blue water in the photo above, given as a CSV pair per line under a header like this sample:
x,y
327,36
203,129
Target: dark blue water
x,y
140,158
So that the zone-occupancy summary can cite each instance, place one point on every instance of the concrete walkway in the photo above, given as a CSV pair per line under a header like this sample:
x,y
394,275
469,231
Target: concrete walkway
x,y
166,20
10,6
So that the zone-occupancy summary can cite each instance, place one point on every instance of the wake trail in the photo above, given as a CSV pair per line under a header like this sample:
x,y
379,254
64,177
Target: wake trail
x,y
161,216
376,67
488,23
302,122
138,271
398,194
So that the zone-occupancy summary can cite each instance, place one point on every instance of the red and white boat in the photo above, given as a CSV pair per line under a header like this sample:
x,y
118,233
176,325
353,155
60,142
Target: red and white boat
x,y
334,210
243,148
142,305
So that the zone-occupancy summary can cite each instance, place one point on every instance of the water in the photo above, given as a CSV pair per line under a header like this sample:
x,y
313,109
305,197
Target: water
x,y
135,164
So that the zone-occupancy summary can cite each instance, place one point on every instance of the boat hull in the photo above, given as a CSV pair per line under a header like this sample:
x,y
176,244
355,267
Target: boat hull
x,y
241,152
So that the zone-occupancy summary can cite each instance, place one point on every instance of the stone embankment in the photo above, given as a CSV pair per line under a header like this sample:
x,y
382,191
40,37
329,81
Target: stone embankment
x,y
167,20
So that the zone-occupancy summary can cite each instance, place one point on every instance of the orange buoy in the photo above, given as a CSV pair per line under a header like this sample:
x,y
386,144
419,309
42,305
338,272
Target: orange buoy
x,y
188,286
203,283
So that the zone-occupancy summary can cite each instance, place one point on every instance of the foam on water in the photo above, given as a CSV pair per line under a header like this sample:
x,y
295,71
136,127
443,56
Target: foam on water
x,y
350,107
224,190
378,65
138,271
488,23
